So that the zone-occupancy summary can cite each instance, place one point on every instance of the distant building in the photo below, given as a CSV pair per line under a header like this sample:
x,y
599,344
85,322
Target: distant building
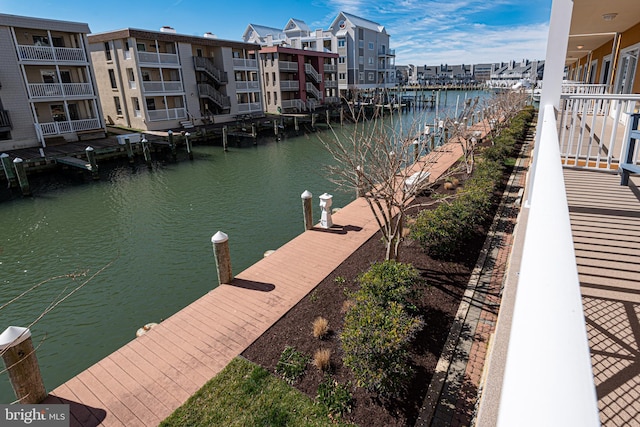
x,y
365,60
158,80
512,72
296,80
48,93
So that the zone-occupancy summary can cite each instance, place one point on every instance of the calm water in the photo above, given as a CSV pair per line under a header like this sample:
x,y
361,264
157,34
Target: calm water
x,y
155,228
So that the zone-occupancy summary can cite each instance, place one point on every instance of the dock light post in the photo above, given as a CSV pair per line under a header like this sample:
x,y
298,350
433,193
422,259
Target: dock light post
x,y
145,151
188,144
21,362
307,210
325,205
220,243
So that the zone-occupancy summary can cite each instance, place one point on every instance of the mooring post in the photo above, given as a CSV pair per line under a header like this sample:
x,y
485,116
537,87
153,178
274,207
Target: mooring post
x,y
91,156
187,143
313,121
307,210
341,116
295,124
22,176
327,115
145,151
21,362
254,133
127,144
275,130
225,133
8,170
325,205
223,259
172,146
416,150
360,185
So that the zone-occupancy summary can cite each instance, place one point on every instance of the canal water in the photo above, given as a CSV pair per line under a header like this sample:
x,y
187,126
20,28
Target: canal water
x,y
152,231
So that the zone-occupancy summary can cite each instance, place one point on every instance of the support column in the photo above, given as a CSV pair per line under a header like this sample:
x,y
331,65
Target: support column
x,y
21,362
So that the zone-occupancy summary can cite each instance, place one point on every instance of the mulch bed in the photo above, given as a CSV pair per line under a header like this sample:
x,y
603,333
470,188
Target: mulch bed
x,y
442,286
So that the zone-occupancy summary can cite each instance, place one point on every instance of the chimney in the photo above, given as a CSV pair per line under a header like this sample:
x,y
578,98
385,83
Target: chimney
x,y
209,35
167,29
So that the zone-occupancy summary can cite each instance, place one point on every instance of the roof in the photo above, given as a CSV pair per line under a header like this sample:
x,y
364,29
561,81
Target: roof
x,y
264,31
296,24
43,24
358,22
168,37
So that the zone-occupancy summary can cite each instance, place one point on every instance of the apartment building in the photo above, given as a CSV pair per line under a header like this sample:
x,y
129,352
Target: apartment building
x,y
48,93
159,80
365,60
296,80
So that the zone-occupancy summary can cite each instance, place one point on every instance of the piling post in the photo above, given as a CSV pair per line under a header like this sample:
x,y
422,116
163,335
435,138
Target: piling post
x,y
275,130
187,143
22,364
220,243
341,116
313,121
225,137
145,151
91,156
254,133
360,184
18,164
416,150
307,210
328,116
325,205
8,170
127,144
296,126
172,146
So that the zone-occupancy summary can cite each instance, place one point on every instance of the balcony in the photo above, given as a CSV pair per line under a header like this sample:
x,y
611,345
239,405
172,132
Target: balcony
x,y
386,52
247,86
331,84
251,107
288,66
330,68
154,58
32,53
60,90
162,87
313,91
289,85
311,71
70,126
207,66
208,91
245,63
5,120
292,104
331,100
167,114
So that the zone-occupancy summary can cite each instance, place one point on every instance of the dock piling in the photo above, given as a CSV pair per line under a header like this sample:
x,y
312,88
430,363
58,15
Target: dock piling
x,y
341,116
254,133
172,146
328,116
296,126
145,151
313,121
307,210
225,136
18,164
187,143
22,364
275,130
220,243
8,170
91,157
127,144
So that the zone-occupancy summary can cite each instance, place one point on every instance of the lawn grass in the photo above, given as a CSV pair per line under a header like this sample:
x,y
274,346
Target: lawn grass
x,y
245,394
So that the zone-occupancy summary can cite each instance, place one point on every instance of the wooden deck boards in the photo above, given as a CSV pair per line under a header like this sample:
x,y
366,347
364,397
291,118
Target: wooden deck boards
x,y
147,379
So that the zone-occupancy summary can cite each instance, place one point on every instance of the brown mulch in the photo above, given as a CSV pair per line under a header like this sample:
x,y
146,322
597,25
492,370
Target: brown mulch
x,y
441,289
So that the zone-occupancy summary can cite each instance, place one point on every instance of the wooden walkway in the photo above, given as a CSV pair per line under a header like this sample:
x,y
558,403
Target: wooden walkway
x,y
146,380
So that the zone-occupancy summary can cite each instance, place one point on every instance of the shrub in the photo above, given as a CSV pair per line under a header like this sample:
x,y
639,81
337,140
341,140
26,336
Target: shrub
x,y
388,281
347,305
320,328
322,359
449,186
335,396
375,340
291,365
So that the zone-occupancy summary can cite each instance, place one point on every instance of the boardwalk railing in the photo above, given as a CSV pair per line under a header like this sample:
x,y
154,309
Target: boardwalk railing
x,y
57,128
593,131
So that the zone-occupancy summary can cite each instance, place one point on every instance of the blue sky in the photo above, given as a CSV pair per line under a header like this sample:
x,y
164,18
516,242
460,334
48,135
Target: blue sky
x,y
422,31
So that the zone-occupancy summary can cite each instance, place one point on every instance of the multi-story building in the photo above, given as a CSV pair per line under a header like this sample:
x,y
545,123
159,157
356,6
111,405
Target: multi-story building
x,y
295,80
158,80
48,93
365,60
512,72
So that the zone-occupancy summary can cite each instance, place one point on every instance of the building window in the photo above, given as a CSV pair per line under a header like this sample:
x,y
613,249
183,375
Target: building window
x,y
274,78
151,104
146,77
361,77
370,60
370,45
73,111
269,98
112,78
57,113
342,76
275,97
370,77
341,42
49,76
341,60
136,107
107,51
116,101
266,79
57,41
361,44
41,40
361,60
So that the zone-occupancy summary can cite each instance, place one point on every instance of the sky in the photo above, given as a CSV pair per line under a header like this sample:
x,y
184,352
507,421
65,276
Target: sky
x,y
423,32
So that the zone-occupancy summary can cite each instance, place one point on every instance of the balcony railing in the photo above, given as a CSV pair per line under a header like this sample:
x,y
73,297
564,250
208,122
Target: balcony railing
x,y
331,100
162,87
206,90
582,88
5,119
310,70
155,58
313,90
290,85
251,107
593,131
57,90
330,68
51,54
331,84
296,104
245,63
205,64
288,66
386,52
57,128
168,114
248,86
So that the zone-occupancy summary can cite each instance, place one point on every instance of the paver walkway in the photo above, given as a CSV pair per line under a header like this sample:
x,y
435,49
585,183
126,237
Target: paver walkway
x,y
146,380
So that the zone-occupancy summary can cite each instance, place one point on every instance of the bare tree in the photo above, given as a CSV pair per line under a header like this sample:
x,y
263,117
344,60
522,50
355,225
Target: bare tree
x,y
461,133
378,159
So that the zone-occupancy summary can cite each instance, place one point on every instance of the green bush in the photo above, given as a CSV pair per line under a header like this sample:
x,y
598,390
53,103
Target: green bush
x,y
291,365
335,396
388,281
375,340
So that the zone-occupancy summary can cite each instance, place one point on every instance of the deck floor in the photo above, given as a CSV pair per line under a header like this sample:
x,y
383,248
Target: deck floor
x,y
147,379
605,221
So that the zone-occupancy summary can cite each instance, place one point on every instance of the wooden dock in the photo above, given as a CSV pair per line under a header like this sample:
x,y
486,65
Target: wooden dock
x,y
147,379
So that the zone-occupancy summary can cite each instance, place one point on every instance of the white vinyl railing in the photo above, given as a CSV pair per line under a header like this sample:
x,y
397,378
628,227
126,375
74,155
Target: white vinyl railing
x,y
287,66
249,107
548,378
331,100
57,128
248,86
245,63
331,83
330,68
593,131
309,69
161,87
293,103
56,90
313,90
583,88
168,114
158,58
290,85
48,53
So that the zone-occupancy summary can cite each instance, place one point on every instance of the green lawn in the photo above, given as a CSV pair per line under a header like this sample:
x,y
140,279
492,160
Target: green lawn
x,y
245,394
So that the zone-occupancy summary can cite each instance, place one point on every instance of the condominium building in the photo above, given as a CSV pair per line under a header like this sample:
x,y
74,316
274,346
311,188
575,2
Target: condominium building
x,y
296,80
158,80
365,60
48,93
